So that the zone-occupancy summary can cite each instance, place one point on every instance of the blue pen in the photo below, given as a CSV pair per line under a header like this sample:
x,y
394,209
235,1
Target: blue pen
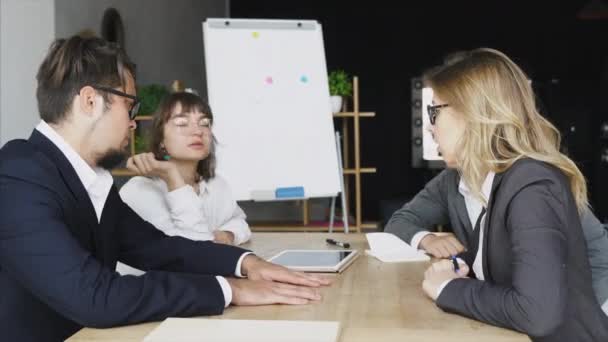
x,y
455,262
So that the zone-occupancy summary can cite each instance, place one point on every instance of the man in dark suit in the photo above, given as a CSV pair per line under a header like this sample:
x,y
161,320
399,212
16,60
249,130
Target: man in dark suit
x,y
63,226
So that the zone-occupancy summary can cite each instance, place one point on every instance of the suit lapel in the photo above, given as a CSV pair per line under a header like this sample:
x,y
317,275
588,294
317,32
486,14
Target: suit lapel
x,y
108,246
465,228
85,209
486,226
463,214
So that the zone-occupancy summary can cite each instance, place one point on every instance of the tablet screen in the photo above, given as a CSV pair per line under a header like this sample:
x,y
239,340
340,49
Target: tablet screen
x,y
308,258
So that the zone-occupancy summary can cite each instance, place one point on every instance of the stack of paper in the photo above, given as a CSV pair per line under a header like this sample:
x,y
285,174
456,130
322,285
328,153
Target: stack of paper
x,y
389,248
229,330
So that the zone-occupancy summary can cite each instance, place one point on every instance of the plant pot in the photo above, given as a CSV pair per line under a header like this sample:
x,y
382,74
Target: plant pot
x,y
336,103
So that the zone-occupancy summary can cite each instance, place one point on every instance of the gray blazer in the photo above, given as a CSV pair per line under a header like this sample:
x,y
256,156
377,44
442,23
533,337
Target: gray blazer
x,y
538,278
440,202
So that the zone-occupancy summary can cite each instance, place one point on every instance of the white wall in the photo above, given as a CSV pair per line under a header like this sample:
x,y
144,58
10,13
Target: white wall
x,y
27,27
163,37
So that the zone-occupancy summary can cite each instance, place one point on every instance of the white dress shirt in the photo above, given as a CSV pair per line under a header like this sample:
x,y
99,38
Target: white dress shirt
x,y
98,183
474,207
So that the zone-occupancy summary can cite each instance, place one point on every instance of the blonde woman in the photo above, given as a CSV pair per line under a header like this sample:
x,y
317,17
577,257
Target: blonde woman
x,y
531,267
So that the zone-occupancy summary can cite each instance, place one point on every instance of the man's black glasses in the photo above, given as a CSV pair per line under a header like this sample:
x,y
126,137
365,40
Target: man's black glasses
x,y
134,106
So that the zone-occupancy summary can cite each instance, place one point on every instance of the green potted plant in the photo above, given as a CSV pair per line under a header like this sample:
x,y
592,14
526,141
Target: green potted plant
x,y
340,86
150,96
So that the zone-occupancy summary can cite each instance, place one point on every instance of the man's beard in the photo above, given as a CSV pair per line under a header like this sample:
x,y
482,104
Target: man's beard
x,y
111,159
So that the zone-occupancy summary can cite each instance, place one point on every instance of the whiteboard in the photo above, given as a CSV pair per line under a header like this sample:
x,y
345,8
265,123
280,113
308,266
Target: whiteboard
x,y
268,90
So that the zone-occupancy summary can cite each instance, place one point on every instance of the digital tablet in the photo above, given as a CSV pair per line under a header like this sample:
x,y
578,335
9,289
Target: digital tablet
x,y
315,260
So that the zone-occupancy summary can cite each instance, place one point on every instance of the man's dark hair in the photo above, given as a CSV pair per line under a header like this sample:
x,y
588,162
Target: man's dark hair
x,y
76,62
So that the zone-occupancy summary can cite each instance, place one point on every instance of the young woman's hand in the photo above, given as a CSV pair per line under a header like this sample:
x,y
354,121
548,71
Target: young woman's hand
x,y
222,236
145,164
438,273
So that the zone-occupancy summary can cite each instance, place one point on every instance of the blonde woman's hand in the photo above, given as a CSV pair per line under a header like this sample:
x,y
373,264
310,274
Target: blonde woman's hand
x,y
145,164
438,273
441,246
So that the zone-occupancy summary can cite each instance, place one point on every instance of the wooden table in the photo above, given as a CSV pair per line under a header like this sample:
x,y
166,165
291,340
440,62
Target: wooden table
x,y
373,301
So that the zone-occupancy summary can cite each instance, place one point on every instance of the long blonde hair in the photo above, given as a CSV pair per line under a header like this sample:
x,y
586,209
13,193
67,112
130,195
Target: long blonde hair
x,y
503,124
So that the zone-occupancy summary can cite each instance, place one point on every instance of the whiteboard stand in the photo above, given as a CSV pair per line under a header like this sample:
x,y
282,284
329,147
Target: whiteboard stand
x,y
342,195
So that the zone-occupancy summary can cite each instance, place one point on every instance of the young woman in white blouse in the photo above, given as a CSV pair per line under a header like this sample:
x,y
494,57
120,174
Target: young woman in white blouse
x,y
177,189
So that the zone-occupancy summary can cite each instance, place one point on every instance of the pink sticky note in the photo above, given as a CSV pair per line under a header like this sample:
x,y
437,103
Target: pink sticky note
x,y
268,80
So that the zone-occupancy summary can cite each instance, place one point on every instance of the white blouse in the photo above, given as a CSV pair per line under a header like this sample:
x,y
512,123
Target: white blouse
x,y
183,212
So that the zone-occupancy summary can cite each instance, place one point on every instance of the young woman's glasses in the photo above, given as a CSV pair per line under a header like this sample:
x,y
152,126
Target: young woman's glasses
x,y
182,122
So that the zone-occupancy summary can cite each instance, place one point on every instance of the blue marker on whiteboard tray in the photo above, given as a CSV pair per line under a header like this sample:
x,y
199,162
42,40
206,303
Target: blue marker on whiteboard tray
x,y
290,192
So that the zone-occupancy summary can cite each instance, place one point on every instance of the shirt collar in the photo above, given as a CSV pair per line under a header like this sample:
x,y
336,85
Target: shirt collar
x,y
85,172
486,187
203,186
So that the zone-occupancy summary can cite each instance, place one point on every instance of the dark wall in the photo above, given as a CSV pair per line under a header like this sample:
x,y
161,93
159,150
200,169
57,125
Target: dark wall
x,y
386,43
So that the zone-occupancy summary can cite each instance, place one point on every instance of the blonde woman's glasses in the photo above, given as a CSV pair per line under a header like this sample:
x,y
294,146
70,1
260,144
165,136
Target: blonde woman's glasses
x,y
433,111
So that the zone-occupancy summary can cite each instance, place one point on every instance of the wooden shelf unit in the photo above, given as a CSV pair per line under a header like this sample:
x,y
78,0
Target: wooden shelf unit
x,y
356,170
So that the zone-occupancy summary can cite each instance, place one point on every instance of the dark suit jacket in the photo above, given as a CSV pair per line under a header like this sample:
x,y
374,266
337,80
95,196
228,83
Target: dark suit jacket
x,y
538,279
57,262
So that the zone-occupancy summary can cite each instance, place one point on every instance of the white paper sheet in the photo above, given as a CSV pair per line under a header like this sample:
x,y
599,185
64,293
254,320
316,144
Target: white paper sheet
x,y
230,330
388,248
